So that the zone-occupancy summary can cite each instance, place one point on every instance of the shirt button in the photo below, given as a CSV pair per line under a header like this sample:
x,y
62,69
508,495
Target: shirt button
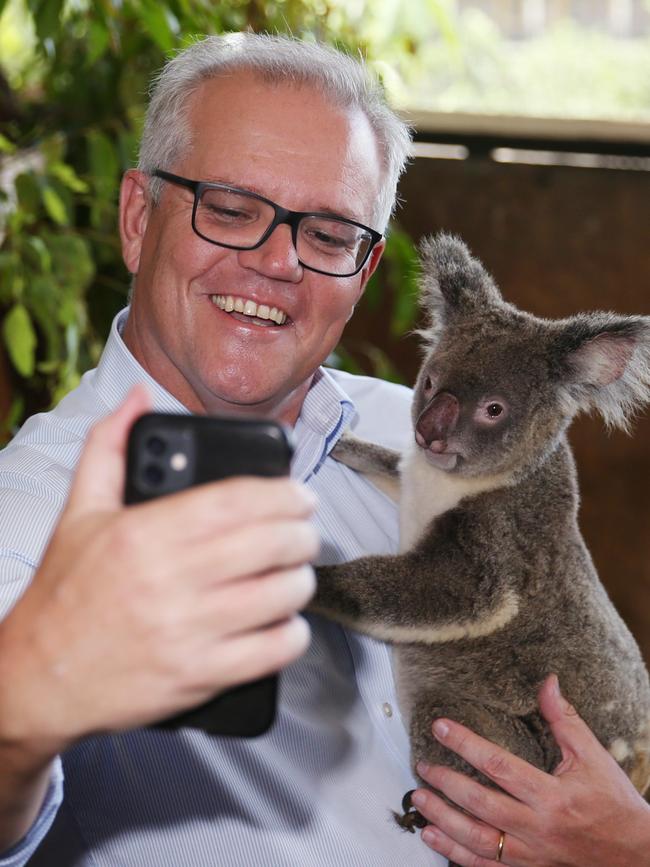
x,y
387,709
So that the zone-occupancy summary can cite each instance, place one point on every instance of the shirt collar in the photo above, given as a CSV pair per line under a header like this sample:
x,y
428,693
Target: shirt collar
x,y
118,371
326,411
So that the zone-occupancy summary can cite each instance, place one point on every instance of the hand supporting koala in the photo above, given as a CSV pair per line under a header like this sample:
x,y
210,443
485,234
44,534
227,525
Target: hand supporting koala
x,y
585,814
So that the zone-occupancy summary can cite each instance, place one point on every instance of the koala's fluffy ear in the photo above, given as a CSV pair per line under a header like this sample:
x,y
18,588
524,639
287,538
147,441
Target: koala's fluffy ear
x,y
604,364
453,282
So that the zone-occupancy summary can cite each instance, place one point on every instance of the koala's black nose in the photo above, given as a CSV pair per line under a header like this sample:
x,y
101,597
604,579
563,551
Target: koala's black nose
x,y
438,420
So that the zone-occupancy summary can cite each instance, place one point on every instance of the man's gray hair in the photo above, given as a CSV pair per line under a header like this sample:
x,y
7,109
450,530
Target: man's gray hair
x,y
342,79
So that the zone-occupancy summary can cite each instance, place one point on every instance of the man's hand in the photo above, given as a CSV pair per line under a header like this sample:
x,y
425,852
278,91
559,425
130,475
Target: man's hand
x,y
586,814
141,611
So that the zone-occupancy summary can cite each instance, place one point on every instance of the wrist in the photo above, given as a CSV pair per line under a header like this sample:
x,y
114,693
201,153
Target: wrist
x,y
635,840
24,782
27,743
644,826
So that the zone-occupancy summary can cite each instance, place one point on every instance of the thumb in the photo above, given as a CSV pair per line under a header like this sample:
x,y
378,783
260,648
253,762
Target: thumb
x,y
99,480
573,735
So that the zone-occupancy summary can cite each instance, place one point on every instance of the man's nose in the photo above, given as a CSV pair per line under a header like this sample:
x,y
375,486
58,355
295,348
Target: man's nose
x,y
276,257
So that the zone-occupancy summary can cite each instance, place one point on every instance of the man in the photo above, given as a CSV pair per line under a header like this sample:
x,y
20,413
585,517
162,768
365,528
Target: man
x,y
134,613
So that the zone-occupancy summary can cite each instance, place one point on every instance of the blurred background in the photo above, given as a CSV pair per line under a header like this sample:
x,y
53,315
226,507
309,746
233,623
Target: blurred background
x,y
532,142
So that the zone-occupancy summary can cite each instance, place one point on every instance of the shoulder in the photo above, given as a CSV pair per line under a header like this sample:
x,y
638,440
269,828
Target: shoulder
x,y
66,424
383,409
47,447
36,470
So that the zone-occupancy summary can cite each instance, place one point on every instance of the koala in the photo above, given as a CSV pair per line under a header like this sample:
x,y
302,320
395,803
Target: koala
x,y
493,587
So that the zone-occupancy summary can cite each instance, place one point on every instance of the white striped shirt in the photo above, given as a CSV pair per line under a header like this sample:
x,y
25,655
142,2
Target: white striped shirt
x,y
317,789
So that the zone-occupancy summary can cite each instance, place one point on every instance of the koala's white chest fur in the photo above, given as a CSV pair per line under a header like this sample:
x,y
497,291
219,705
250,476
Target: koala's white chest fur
x,y
427,492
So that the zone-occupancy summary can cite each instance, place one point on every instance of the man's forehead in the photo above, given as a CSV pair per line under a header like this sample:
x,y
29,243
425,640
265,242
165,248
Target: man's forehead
x,y
243,101
268,137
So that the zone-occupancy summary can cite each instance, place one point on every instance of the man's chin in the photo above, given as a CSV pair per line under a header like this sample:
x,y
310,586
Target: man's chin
x,y
257,401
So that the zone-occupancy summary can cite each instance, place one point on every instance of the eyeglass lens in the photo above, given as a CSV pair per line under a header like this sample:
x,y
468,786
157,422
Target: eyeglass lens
x,y
239,220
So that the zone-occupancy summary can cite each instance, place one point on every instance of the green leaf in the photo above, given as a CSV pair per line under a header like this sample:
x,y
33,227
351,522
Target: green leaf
x,y
443,16
403,269
159,22
48,367
6,146
54,148
105,170
54,205
405,311
47,17
72,343
101,155
43,298
67,175
72,262
67,313
99,38
374,291
10,266
39,252
28,193
127,145
20,339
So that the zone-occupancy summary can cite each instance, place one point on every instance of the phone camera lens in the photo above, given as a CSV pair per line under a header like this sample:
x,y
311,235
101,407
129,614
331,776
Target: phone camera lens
x,y
153,474
155,445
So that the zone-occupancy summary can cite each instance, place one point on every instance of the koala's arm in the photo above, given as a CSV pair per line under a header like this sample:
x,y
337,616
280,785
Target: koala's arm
x,y
379,464
366,457
440,591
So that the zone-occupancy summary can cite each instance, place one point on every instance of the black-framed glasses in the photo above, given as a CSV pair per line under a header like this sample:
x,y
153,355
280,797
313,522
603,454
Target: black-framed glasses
x,y
241,220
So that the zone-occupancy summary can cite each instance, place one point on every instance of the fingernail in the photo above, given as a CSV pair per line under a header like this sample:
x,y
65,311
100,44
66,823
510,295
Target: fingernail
x,y
419,799
430,836
423,768
440,729
555,685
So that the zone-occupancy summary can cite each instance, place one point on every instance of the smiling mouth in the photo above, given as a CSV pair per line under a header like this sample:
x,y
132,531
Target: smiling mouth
x,y
245,309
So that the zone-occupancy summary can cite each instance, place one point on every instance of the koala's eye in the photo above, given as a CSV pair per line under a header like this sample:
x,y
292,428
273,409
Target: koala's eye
x,y
491,411
428,385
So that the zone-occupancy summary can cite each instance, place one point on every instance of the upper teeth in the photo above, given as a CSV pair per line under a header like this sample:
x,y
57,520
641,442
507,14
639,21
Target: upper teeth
x,y
249,308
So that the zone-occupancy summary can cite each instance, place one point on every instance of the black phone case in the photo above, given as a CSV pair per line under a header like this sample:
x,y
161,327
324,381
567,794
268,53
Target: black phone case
x,y
168,453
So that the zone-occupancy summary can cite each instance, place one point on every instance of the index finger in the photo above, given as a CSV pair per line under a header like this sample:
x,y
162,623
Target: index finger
x,y
514,775
220,506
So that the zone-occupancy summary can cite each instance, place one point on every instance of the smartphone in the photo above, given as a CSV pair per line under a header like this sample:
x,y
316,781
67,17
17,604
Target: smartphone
x,y
171,452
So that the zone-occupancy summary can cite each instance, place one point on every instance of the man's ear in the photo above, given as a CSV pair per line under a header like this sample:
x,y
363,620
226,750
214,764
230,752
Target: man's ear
x,y
370,267
134,216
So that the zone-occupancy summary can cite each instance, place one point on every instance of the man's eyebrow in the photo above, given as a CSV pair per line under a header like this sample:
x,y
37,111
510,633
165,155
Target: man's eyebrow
x,y
251,188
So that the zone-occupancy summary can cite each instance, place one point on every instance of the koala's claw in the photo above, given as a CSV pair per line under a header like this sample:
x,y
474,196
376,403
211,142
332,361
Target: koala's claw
x,y
411,818
407,804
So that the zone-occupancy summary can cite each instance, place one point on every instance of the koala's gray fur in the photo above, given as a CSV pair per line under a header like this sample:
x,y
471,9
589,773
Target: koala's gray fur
x,y
494,588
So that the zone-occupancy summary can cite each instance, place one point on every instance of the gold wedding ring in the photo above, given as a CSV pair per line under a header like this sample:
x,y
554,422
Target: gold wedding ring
x,y
502,837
